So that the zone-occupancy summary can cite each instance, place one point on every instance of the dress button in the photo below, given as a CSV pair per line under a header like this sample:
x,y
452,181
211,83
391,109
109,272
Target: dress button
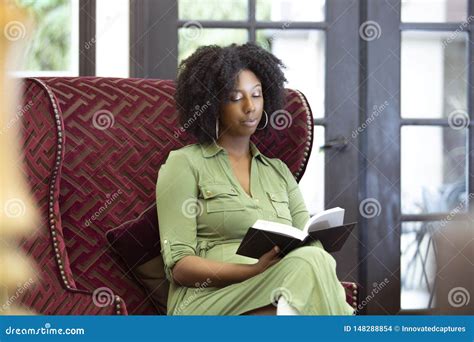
x,y
208,193
166,241
256,200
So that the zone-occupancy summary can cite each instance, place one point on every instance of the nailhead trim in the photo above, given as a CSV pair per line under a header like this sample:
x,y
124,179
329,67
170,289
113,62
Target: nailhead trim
x,y
354,296
52,187
118,306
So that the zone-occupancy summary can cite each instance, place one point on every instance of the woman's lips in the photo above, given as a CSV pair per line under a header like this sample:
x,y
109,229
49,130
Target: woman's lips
x,y
249,123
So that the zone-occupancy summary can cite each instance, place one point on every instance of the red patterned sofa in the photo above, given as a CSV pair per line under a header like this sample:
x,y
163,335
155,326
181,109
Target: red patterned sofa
x,y
94,145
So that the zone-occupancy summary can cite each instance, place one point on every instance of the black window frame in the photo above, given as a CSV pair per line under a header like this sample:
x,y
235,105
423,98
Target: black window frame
x,y
87,34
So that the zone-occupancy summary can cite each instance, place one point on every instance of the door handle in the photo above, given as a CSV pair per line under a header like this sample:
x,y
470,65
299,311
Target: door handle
x,y
338,143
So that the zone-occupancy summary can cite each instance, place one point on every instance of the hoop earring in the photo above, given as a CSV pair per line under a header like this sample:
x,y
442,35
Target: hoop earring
x,y
217,129
266,121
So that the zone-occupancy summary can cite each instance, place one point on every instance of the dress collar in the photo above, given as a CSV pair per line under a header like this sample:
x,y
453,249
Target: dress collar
x,y
212,149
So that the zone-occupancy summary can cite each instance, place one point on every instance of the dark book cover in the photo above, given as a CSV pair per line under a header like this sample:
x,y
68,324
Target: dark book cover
x,y
258,242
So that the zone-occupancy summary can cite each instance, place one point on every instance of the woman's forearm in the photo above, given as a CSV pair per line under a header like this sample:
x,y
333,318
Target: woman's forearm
x,y
194,271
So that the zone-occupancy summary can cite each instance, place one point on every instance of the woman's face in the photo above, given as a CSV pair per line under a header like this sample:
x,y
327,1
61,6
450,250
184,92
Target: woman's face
x,y
242,112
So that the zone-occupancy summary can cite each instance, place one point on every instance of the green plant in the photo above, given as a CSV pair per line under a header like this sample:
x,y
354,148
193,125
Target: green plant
x,y
50,42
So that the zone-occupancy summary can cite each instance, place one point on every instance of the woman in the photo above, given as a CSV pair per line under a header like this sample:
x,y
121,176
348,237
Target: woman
x,y
210,193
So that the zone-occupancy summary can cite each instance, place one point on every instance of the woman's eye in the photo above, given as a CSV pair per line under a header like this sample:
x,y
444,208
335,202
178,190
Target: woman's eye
x,y
235,97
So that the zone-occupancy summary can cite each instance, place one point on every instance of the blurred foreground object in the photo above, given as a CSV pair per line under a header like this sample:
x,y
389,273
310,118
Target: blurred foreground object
x,y
455,268
17,210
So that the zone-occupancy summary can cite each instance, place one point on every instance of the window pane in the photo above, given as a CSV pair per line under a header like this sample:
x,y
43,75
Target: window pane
x,y
312,182
434,10
438,86
192,37
417,264
310,45
294,10
213,9
433,169
112,38
57,28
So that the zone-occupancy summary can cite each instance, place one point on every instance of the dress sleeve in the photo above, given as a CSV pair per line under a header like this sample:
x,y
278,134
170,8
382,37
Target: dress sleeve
x,y
176,200
299,213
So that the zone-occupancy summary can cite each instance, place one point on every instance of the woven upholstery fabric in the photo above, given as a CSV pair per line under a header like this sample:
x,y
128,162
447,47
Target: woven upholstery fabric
x,y
46,294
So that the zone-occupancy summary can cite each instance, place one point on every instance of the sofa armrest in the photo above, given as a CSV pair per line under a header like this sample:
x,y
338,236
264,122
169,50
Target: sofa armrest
x,y
48,299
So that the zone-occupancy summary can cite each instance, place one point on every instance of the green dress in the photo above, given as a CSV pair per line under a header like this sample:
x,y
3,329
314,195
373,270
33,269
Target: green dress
x,y
204,211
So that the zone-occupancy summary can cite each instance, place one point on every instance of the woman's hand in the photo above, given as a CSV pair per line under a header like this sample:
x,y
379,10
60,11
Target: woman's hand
x,y
268,259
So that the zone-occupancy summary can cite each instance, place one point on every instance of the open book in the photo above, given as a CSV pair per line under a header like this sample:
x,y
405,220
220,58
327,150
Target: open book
x,y
326,226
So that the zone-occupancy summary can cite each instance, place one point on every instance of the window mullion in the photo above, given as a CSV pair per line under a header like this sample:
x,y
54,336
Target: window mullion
x,y
252,21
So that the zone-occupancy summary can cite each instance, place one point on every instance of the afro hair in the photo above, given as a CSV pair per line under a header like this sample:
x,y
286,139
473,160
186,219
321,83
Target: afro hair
x,y
207,77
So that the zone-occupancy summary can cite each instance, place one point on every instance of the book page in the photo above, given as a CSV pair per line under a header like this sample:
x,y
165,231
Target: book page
x,y
329,218
280,228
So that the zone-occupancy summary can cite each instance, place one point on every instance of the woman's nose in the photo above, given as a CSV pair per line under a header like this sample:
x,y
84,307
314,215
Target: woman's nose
x,y
249,106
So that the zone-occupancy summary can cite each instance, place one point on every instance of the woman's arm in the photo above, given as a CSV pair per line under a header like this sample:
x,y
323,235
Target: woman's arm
x,y
193,271
297,207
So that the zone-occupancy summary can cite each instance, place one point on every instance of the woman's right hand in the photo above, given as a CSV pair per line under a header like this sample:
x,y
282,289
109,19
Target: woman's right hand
x,y
268,259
